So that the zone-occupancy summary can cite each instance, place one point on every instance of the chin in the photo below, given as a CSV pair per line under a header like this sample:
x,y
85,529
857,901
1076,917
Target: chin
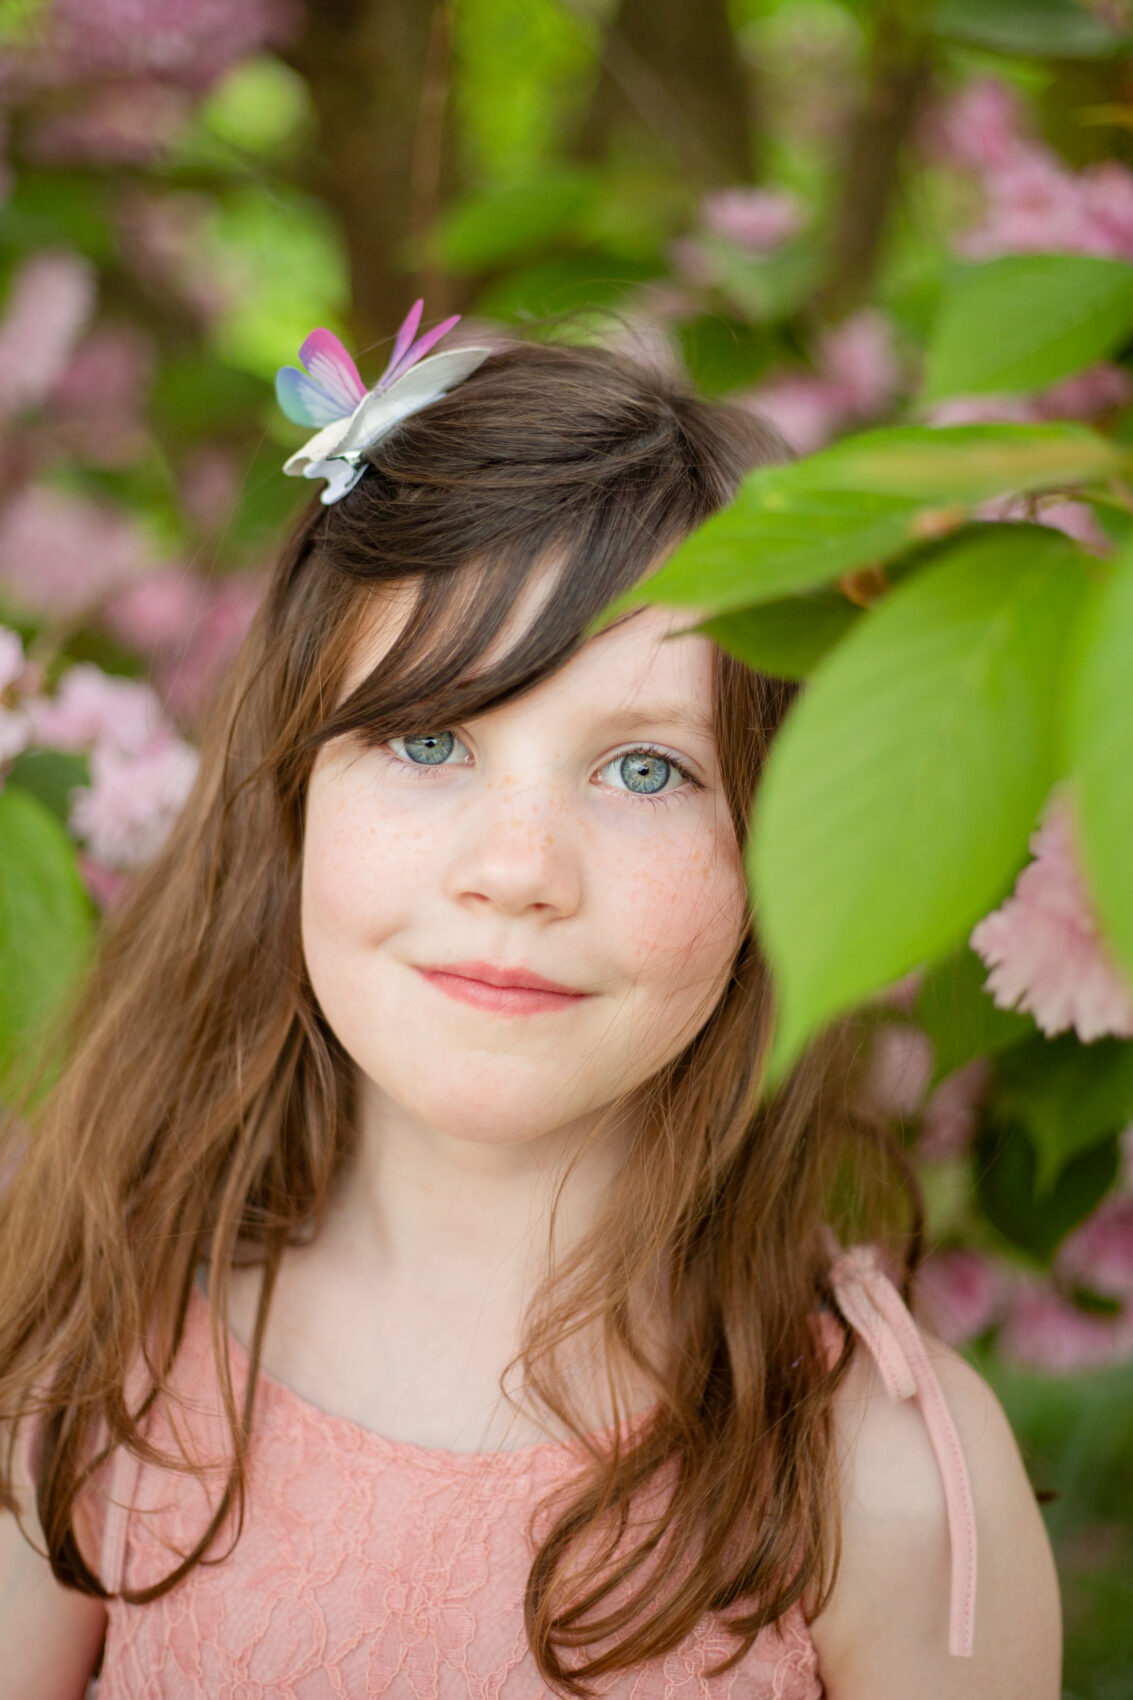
x,y
492,1106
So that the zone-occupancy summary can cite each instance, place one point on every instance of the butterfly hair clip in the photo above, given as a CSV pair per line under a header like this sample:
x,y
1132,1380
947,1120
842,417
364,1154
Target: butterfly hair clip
x,y
330,394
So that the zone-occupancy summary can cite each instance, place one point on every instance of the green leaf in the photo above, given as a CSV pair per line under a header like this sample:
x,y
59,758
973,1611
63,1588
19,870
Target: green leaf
x,y
504,225
867,499
960,1017
50,776
897,800
1006,1171
1099,753
1068,1096
1021,322
787,638
962,463
46,926
1054,29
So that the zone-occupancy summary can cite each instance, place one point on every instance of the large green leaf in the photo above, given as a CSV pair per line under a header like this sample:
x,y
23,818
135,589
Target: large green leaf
x,y
1099,753
899,795
1068,1096
46,925
1023,321
960,1017
869,498
787,638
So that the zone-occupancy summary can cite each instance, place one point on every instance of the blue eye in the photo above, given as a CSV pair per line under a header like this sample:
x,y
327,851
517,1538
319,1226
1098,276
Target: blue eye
x,y
643,772
427,749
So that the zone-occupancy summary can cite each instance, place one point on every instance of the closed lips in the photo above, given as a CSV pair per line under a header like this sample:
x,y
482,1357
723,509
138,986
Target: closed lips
x,y
506,991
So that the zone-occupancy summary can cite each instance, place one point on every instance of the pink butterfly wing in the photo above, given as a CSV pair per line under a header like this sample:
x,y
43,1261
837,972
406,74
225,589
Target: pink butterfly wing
x,y
332,369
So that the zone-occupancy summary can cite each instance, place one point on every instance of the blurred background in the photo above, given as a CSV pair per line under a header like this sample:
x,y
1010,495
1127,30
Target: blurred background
x,y
763,195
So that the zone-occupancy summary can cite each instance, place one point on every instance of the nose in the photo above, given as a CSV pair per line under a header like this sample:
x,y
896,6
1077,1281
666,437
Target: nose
x,y
516,853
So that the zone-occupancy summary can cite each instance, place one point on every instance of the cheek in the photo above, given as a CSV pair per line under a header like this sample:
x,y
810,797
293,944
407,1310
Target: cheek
x,y
358,873
680,911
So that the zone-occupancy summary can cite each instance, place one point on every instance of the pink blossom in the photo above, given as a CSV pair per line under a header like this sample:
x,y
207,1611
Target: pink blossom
x,y
962,1293
692,262
1087,393
115,124
979,127
1107,198
1044,946
858,357
982,410
106,885
948,1123
1075,518
125,814
11,658
49,302
166,239
1044,1329
14,732
191,45
758,219
1032,202
1099,1252
899,1069
98,405
92,708
63,554
857,378
805,408
188,675
209,484
158,611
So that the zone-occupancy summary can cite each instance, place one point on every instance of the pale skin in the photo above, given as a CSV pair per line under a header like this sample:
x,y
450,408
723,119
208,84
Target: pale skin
x,y
524,847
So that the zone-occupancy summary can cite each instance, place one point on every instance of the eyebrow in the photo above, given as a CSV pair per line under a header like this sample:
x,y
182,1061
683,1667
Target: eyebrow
x,y
650,713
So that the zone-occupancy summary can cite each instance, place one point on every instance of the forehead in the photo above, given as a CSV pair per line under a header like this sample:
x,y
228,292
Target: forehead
x,y
640,657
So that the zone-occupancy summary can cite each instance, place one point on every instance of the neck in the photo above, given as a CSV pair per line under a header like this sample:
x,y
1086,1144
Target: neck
x,y
454,1220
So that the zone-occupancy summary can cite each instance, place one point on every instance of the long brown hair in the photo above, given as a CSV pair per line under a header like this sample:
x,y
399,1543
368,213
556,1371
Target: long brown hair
x,y
205,1107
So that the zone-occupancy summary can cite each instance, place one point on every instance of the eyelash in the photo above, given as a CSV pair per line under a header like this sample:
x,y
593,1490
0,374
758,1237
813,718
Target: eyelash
x,y
420,769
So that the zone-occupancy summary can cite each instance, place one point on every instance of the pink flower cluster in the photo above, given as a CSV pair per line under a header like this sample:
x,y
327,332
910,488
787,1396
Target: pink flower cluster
x,y
133,123
1031,202
50,300
1043,1322
62,555
189,629
1046,1329
856,378
140,771
1044,946
189,43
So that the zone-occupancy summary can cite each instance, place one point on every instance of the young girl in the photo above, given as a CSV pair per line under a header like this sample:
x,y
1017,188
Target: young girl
x,y
404,1291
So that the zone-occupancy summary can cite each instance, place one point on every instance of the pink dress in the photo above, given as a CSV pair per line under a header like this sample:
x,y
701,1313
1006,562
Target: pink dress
x,y
372,1567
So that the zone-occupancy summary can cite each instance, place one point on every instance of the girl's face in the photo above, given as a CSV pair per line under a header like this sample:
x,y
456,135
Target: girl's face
x,y
511,923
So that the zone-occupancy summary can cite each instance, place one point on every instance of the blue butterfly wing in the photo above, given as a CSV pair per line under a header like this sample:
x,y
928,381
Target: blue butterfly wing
x,y
306,401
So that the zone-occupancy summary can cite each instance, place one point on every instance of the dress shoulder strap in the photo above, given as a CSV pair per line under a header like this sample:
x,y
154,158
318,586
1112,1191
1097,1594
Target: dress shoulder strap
x,y
871,1303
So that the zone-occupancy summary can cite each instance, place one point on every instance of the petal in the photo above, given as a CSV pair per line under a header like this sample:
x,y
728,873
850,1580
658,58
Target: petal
x,y
331,367
420,348
404,337
305,401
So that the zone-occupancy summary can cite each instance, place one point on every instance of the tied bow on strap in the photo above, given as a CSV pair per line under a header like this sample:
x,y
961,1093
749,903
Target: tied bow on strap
x,y
874,1307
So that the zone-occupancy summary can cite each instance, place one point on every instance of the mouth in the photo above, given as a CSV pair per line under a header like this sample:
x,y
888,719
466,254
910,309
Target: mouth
x,y
504,991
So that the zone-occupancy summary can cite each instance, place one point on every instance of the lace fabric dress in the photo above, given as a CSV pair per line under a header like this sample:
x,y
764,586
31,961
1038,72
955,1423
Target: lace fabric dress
x,y
370,1567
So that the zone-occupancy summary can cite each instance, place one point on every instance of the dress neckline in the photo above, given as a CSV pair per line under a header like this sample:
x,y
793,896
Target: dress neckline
x,y
410,1453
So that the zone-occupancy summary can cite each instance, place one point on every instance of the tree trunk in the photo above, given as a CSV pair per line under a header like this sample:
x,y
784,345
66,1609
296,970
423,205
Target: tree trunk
x,y
672,77
898,78
378,73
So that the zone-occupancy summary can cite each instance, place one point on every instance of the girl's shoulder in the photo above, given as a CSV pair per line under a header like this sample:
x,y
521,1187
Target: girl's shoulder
x,y
930,1473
